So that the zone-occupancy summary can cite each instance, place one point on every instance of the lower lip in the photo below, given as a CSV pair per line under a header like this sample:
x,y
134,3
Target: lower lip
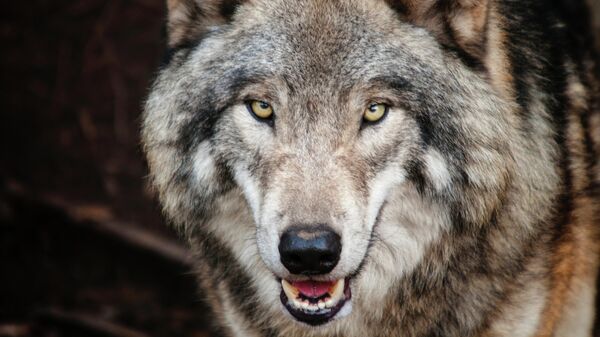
x,y
319,317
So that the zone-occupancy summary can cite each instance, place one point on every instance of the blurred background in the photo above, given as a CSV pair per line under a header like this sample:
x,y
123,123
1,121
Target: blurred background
x,y
83,248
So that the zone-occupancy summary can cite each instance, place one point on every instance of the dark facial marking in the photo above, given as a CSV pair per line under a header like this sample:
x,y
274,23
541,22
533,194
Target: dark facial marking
x,y
227,8
215,101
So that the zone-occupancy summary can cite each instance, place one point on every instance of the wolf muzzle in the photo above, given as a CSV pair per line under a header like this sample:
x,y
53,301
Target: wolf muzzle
x,y
309,251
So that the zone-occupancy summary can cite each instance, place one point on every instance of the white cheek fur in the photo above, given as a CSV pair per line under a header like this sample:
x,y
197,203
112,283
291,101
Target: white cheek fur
x,y
251,189
204,165
380,190
437,169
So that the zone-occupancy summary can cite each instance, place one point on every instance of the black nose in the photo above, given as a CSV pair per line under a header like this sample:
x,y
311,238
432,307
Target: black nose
x,y
310,250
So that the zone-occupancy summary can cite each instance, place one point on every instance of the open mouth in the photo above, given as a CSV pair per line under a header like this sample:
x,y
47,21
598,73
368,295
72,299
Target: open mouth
x,y
316,302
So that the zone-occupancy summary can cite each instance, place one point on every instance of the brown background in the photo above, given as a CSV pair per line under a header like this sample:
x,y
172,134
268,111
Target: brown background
x,y
83,249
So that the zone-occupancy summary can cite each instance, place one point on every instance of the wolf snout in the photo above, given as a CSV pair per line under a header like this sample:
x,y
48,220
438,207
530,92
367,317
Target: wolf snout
x,y
310,250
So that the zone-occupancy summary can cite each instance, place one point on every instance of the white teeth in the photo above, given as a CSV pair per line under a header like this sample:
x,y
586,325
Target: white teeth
x,y
336,294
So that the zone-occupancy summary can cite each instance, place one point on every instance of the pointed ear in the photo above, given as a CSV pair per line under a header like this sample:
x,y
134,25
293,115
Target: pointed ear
x,y
459,24
188,20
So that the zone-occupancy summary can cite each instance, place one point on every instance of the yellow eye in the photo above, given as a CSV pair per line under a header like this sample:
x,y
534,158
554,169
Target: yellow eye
x,y
260,109
374,112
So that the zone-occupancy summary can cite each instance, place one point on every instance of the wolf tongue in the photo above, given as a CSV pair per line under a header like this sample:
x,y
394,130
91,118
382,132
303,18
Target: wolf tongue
x,y
313,289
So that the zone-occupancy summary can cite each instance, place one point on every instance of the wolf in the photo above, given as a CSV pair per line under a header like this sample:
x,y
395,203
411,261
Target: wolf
x,y
382,167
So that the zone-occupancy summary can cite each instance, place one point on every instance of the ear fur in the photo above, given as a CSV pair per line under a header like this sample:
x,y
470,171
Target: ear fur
x,y
188,20
459,24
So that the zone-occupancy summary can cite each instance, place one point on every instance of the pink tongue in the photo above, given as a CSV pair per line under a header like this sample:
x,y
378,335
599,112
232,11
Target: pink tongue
x,y
313,288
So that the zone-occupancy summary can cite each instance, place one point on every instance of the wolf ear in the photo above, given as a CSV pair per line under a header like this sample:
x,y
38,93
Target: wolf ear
x,y
456,23
188,20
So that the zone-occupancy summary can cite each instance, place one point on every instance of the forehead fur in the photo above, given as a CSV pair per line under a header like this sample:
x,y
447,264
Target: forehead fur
x,y
315,40
312,43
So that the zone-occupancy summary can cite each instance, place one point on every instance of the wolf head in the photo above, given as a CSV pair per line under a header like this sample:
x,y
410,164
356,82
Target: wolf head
x,y
338,139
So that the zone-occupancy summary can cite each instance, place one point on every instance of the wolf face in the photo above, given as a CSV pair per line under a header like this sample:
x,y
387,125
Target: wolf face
x,y
316,166
330,144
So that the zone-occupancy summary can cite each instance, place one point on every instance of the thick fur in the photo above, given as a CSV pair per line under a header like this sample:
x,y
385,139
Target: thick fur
x,y
472,209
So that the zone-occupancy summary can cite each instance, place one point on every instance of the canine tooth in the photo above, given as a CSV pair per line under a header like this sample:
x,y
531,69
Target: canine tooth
x,y
321,305
329,303
305,304
290,291
337,291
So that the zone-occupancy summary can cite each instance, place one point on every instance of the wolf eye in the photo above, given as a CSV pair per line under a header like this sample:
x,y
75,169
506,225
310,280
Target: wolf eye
x,y
260,109
375,112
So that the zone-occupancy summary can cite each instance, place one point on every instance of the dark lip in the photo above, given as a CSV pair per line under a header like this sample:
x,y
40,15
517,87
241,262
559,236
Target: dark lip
x,y
319,317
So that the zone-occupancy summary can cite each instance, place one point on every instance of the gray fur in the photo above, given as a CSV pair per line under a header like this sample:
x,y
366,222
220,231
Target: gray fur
x,y
448,209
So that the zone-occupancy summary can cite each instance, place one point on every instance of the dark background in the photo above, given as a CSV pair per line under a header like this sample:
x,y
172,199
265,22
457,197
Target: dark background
x,y
83,247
